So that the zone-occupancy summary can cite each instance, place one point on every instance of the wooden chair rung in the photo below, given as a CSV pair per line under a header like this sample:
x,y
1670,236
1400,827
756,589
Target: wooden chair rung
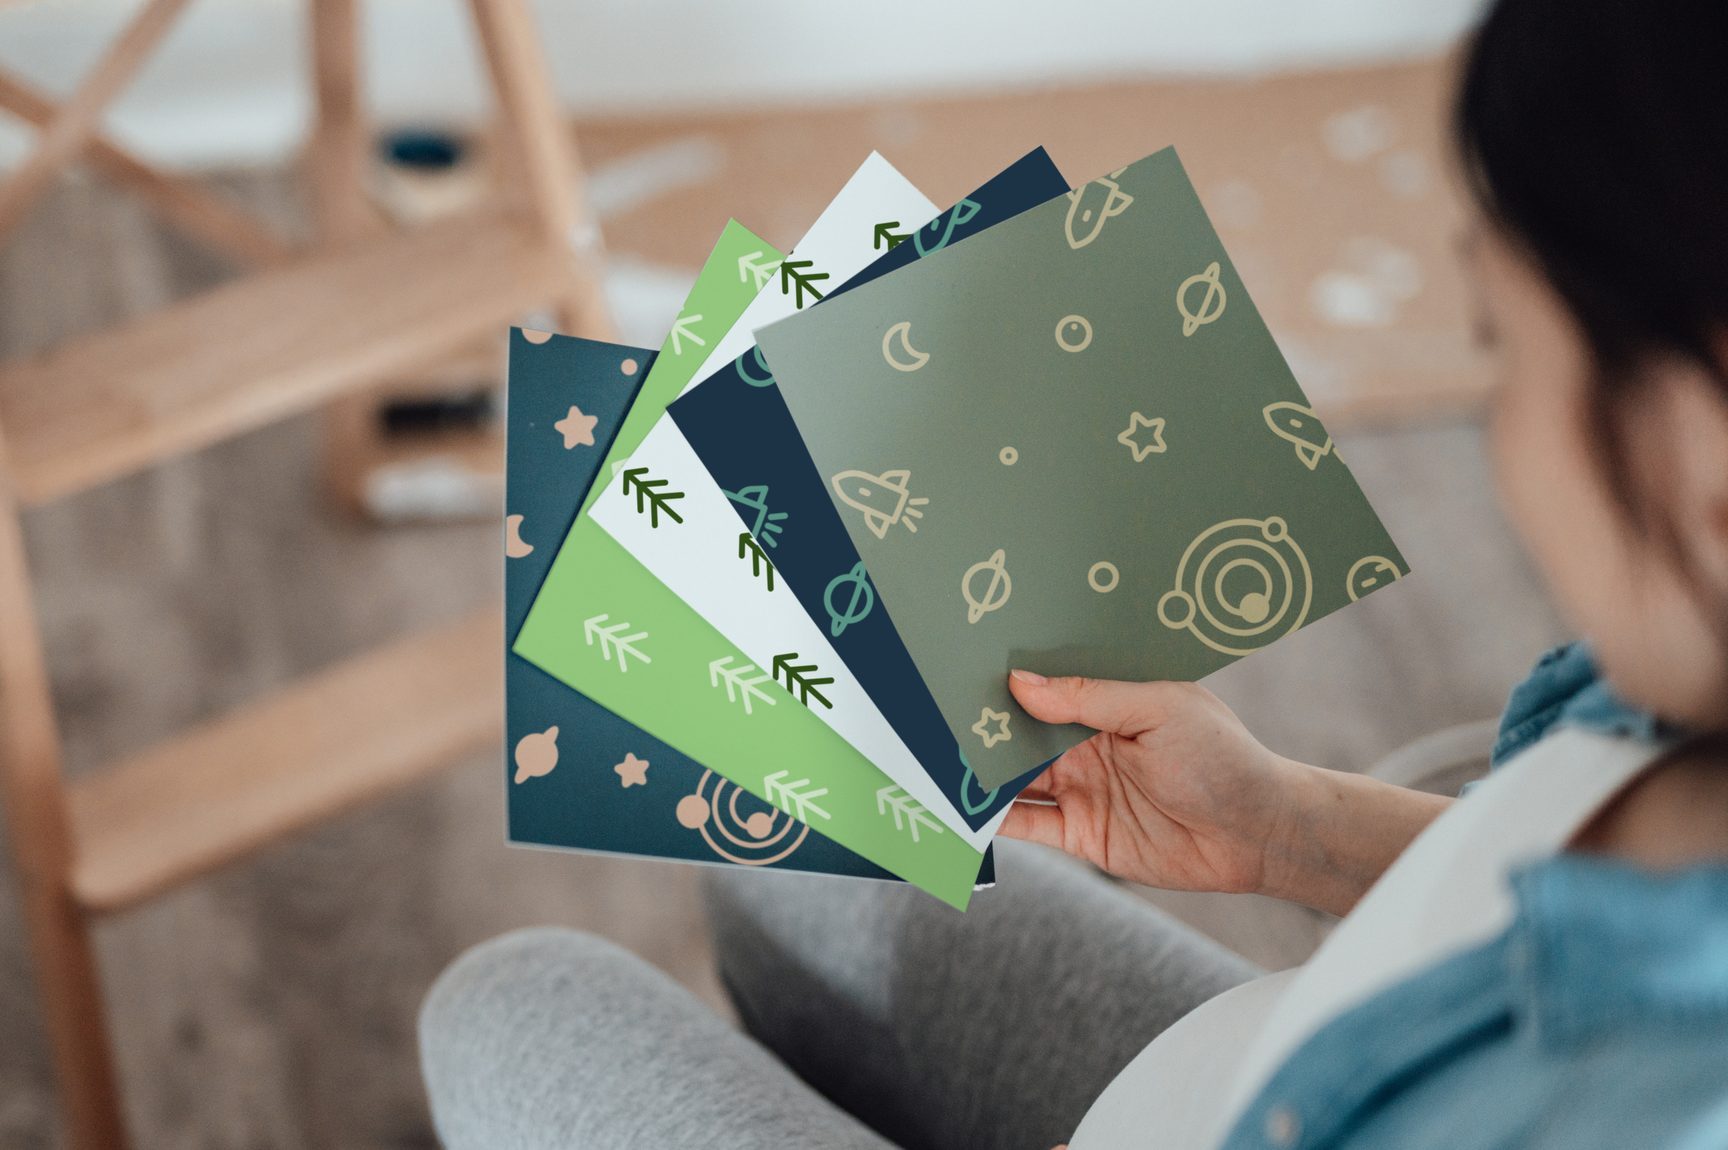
x,y
264,347
304,753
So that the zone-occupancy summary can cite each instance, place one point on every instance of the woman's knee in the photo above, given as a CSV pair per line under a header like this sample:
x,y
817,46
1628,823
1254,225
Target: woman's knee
x,y
520,1035
502,975
485,1015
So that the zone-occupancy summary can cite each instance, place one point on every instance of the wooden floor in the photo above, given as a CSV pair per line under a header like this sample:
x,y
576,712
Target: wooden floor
x,y
273,1006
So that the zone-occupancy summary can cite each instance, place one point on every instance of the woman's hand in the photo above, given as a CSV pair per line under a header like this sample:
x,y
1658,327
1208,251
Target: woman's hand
x,y
1174,792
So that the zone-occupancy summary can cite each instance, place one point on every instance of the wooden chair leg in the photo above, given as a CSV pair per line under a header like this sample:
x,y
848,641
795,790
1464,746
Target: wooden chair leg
x,y
540,143
335,171
40,835
75,1017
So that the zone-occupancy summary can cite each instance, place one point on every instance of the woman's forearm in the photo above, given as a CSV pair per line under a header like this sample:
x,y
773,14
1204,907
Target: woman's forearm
x,y
1339,835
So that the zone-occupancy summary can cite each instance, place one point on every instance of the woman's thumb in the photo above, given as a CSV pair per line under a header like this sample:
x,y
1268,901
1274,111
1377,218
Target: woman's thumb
x,y
1102,704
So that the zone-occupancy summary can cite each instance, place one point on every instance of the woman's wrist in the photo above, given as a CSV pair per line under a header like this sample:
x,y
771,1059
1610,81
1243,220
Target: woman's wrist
x,y
1336,833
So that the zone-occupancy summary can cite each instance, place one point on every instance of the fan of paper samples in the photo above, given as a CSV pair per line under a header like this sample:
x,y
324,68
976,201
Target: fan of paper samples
x,y
764,586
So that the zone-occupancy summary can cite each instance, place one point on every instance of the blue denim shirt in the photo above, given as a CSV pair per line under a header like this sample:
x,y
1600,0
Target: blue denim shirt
x,y
1598,1019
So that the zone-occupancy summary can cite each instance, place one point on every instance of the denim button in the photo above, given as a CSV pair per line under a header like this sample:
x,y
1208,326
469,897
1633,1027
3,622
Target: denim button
x,y
1282,1126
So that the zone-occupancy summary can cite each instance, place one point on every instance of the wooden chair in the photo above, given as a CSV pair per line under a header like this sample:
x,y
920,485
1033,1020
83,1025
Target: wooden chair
x,y
299,331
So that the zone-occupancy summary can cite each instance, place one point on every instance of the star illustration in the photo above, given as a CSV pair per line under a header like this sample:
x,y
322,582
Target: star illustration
x,y
982,727
632,772
577,428
1156,439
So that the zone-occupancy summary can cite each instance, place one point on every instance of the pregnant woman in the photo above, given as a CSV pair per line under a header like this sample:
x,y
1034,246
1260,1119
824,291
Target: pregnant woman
x,y
1541,963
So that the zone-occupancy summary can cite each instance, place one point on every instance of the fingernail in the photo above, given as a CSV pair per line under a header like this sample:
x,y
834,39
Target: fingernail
x,y
1031,677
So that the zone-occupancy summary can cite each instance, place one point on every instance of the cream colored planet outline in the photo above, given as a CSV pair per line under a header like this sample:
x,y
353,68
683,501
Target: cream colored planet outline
x,y
997,564
1212,279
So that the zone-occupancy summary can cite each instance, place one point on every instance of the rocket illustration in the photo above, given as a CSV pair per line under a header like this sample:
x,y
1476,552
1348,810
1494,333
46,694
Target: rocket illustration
x,y
1090,205
764,524
1301,427
883,499
941,229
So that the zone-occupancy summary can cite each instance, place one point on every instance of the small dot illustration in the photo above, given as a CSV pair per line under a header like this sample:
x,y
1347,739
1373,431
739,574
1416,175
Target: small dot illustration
x,y
534,335
1008,456
1103,577
628,367
1073,333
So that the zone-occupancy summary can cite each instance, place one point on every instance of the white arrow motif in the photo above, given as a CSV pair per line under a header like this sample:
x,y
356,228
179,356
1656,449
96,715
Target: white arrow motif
x,y
752,264
796,798
740,683
612,643
908,814
681,332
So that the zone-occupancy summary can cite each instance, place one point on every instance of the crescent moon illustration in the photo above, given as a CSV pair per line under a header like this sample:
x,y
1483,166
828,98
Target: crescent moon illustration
x,y
900,333
515,546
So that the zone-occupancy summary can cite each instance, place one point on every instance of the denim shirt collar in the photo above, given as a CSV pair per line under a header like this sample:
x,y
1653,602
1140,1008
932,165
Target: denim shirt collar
x,y
1599,945
1566,689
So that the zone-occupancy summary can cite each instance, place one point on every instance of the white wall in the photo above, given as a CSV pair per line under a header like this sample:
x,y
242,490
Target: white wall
x,y
230,84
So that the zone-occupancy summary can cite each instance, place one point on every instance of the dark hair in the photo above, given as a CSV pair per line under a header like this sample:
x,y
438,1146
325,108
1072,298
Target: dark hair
x,y
1595,136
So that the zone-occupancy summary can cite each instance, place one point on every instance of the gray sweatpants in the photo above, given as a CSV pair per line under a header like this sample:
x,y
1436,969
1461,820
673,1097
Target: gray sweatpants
x,y
876,1017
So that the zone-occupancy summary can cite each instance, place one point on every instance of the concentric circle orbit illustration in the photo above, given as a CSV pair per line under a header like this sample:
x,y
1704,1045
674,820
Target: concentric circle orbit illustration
x,y
738,826
1240,584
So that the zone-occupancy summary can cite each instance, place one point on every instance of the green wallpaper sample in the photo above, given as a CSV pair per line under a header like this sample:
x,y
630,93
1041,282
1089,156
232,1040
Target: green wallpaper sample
x,y
1071,444
605,626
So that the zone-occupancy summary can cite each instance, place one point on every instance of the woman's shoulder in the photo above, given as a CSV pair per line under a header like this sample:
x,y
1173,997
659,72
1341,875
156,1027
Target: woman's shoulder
x,y
1621,990
1565,688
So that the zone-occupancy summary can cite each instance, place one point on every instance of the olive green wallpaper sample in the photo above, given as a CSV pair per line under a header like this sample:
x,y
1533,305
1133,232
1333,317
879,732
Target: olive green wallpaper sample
x,y
1071,444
